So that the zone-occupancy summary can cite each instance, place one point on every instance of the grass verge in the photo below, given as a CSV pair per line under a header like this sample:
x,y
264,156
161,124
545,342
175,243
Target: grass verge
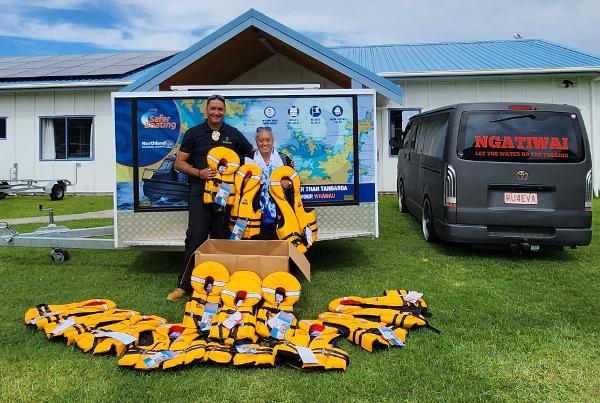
x,y
20,206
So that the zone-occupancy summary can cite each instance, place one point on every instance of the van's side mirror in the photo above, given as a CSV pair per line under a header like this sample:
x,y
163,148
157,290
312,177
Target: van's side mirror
x,y
395,142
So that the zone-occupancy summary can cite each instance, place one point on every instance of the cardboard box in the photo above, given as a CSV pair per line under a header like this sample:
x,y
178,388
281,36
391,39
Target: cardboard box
x,y
261,257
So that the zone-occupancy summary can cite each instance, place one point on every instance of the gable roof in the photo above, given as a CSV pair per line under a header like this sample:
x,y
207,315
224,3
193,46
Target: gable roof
x,y
460,58
253,18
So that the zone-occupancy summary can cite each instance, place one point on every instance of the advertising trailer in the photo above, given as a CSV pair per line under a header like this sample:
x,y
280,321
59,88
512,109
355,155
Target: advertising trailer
x,y
330,135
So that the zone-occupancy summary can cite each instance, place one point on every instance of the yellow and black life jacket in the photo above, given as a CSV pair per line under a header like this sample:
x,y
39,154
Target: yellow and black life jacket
x,y
217,353
253,355
117,337
225,161
71,327
295,225
391,299
43,314
392,309
208,279
319,339
235,320
274,319
246,205
365,333
166,348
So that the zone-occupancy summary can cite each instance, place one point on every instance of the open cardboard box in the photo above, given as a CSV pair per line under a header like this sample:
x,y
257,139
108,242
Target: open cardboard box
x,y
261,257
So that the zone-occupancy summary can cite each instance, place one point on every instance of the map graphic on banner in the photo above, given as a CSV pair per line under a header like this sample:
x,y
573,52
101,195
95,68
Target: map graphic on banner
x,y
316,132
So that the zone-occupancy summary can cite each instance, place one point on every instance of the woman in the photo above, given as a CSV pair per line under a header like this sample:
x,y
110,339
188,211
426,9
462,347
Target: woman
x,y
268,160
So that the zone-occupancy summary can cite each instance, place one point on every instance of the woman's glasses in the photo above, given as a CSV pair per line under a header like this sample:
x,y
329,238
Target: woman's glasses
x,y
264,129
217,97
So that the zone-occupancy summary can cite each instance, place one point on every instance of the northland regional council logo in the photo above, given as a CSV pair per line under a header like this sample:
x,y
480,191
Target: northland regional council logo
x,y
269,112
169,144
153,120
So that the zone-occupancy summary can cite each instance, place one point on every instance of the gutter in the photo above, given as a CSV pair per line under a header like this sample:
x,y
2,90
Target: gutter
x,y
458,73
79,84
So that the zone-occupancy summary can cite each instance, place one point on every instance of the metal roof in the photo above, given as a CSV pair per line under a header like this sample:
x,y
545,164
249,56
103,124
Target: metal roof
x,y
491,56
81,66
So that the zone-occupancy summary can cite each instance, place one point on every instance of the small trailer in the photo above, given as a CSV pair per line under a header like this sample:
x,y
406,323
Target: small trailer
x,y
56,188
330,134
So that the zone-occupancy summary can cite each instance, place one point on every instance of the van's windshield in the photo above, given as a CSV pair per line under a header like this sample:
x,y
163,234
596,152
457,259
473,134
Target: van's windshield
x,y
523,136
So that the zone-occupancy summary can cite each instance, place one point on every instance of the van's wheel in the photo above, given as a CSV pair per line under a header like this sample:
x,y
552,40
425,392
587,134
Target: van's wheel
x,y
401,197
427,222
59,255
58,192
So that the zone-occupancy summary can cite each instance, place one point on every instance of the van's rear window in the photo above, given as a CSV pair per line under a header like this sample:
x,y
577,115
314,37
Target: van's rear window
x,y
520,136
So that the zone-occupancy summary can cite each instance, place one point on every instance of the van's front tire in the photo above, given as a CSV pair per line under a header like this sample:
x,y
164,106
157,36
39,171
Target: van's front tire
x,y
427,228
401,198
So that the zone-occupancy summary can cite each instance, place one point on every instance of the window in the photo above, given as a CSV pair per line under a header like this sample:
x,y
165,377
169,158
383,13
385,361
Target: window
x,y
66,138
398,119
2,128
435,135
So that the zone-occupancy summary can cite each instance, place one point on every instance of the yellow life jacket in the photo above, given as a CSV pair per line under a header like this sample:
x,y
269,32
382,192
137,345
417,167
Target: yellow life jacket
x,y
217,353
320,339
391,299
236,321
253,355
42,314
280,291
112,338
246,206
365,333
166,348
295,225
392,309
73,326
208,279
225,161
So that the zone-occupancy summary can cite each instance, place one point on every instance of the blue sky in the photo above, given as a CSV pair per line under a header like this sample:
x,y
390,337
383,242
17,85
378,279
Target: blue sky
x,y
88,26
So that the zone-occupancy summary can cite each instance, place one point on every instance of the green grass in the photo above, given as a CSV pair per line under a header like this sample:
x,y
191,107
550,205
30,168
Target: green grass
x,y
513,327
27,206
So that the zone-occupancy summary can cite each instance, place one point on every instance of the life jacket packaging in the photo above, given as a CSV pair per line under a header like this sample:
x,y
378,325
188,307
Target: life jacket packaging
x,y
246,214
220,190
296,225
258,256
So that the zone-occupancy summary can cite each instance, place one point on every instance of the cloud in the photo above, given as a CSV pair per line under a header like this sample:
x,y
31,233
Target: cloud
x,y
156,25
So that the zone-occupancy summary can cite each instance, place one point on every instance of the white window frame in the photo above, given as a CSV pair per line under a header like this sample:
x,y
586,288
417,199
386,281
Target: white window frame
x,y
67,117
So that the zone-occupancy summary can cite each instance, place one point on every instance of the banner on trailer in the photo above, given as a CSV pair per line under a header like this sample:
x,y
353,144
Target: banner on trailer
x,y
330,138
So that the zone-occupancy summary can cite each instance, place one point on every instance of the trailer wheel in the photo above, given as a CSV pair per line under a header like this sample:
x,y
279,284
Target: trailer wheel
x,y
59,255
58,192
2,195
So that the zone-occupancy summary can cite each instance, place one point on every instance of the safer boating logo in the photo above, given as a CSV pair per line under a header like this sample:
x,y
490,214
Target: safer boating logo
x,y
153,120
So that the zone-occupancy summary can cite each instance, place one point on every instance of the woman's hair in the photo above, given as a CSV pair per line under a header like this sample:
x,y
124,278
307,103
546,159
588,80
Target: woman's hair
x,y
262,129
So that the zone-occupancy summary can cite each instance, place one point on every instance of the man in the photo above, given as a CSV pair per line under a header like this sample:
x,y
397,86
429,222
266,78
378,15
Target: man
x,y
203,220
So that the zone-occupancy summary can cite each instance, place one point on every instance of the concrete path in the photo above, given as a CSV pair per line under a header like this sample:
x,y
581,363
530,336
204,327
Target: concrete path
x,y
59,218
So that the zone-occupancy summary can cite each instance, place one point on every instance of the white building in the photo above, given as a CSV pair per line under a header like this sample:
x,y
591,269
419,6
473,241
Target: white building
x,y
56,111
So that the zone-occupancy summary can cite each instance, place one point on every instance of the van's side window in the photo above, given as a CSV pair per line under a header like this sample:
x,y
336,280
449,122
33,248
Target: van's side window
x,y
435,135
412,135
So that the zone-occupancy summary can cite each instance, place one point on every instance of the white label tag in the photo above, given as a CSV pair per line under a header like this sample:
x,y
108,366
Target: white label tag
x,y
233,320
64,325
245,349
389,335
280,324
124,338
306,355
223,194
308,236
210,310
36,320
238,229
413,297
162,356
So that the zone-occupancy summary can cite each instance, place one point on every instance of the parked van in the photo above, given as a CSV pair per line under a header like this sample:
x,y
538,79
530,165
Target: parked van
x,y
498,173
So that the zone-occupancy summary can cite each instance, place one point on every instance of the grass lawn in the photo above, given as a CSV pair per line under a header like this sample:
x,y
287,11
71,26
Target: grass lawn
x,y
513,327
27,206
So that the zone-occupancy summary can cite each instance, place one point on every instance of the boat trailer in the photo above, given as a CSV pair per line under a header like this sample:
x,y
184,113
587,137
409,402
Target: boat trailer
x,y
56,188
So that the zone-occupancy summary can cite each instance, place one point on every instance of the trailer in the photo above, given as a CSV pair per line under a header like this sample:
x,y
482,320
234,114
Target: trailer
x,y
330,134
56,188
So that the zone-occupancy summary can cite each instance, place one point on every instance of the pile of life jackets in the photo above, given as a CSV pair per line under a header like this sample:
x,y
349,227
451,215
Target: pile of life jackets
x,y
240,188
237,320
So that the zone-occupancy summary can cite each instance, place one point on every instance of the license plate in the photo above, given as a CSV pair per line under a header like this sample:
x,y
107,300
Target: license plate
x,y
520,198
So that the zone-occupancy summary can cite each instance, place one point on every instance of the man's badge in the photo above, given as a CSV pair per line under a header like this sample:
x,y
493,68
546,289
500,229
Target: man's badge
x,y
216,135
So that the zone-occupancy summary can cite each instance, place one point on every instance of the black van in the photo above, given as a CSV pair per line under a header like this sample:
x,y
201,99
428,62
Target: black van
x,y
498,173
